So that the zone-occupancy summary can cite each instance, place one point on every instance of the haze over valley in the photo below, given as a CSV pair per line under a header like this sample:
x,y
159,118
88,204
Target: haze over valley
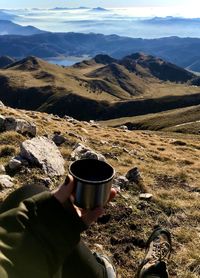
x,y
137,22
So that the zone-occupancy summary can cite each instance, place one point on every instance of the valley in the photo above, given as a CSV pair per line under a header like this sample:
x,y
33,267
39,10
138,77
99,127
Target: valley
x,y
107,88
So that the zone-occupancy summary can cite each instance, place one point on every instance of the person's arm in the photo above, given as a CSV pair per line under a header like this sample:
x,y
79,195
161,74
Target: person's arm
x,y
36,237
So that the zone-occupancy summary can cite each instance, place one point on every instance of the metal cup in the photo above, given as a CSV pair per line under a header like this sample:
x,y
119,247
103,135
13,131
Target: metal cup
x,y
93,180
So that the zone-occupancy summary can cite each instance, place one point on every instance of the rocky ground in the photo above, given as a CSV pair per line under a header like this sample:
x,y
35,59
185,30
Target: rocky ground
x,y
165,165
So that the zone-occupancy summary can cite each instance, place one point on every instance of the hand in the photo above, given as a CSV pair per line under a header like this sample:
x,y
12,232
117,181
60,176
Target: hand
x,y
66,192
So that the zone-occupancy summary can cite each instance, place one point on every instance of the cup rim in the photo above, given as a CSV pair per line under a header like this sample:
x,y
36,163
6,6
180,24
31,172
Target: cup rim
x,y
88,181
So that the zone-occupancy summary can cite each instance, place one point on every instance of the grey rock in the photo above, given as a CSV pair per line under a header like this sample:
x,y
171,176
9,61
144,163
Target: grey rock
x,y
70,119
2,169
58,139
82,152
1,104
133,175
43,152
92,122
20,126
111,155
123,127
6,182
120,182
145,196
15,163
56,118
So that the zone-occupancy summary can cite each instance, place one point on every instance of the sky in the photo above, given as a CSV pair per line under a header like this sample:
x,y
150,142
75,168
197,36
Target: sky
x,y
13,4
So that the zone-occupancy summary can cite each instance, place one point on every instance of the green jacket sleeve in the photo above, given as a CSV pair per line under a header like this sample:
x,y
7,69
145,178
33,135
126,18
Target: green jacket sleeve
x,y
37,237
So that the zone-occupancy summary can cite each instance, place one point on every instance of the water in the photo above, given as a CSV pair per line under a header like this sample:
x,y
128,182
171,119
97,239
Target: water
x,y
67,61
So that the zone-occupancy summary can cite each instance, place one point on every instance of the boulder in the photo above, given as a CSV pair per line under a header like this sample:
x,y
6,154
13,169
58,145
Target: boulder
x,y
133,175
43,152
83,152
20,126
6,182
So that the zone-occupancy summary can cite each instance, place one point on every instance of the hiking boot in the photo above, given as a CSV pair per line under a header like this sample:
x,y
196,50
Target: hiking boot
x,y
158,251
106,262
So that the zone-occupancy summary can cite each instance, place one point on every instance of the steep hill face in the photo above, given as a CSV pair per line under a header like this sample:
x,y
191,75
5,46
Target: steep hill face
x,y
105,87
118,75
146,65
5,61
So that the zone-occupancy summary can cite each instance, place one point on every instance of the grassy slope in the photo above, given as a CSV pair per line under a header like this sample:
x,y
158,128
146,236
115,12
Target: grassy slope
x,y
186,120
80,81
38,85
169,164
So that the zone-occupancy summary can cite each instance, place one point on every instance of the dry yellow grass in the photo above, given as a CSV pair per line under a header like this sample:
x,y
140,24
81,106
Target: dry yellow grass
x,y
77,80
170,167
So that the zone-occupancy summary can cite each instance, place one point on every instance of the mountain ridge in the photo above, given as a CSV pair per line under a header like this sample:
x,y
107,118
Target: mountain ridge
x,y
7,27
107,90
173,49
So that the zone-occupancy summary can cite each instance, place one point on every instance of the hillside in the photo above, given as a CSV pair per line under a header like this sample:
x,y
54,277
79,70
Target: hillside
x,y
183,120
169,167
5,61
183,52
105,87
9,28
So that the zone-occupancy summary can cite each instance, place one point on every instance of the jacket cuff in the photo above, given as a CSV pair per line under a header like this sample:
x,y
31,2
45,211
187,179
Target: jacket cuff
x,y
57,228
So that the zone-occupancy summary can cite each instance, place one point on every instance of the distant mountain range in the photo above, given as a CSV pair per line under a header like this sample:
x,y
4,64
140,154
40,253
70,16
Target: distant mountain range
x,y
183,52
101,88
7,16
9,28
170,20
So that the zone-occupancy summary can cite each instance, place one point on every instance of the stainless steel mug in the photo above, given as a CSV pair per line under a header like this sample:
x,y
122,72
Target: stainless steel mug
x,y
93,180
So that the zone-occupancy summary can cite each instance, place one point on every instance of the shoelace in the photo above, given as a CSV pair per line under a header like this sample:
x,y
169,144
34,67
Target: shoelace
x,y
160,250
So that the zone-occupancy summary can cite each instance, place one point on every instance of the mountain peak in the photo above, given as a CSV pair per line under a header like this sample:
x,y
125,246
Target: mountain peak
x,y
29,63
104,59
99,9
148,65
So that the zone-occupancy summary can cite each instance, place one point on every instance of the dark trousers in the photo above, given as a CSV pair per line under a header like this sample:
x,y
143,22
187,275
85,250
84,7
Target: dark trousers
x,y
81,262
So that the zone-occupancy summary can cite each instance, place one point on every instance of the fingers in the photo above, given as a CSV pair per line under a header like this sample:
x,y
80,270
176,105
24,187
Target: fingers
x,y
63,192
113,193
69,184
91,216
